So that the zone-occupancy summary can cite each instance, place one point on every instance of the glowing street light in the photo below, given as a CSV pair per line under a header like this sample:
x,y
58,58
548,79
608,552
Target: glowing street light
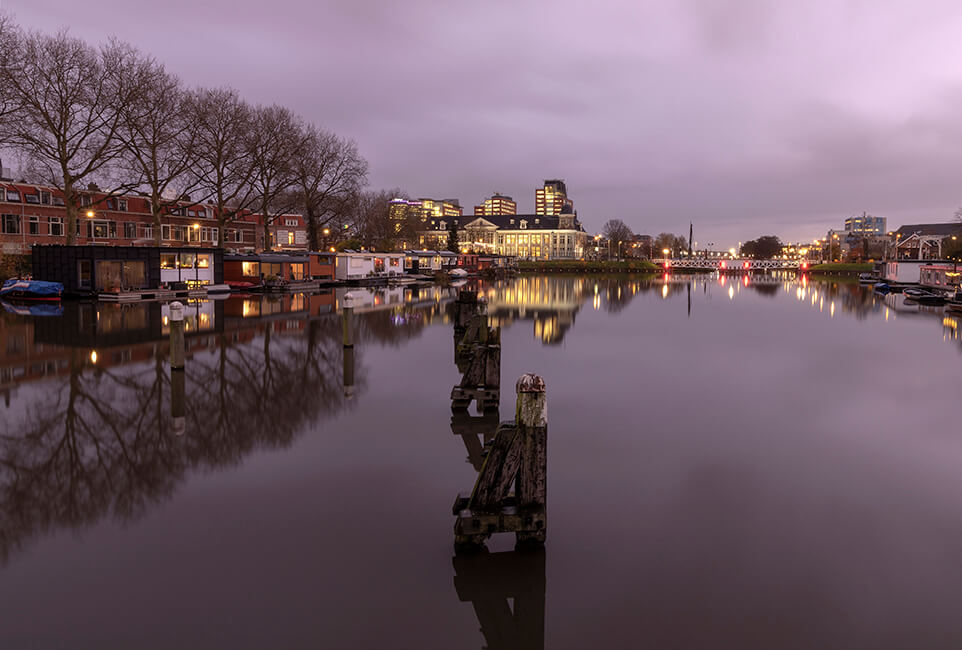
x,y
90,214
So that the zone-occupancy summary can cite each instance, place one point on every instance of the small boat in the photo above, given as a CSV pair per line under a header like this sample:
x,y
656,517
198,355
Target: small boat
x,y
218,288
31,290
882,287
867,278
954,304
924,296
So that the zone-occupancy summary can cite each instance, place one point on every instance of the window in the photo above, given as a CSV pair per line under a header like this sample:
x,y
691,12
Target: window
x,y
130,230
203,261
44,197
101,229
168,260
165,231
290,237
58,200
213,235
122,205
250,269
187,260
193,234
297,271
33,226
83,274
32,198
177,233
395,261
290,222
11,224
524,224
85,200
13,195
148,232
111,204
56,226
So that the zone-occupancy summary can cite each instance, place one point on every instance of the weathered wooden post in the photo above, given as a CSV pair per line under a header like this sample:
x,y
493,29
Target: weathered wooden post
x,y
348,315
517,457
177,343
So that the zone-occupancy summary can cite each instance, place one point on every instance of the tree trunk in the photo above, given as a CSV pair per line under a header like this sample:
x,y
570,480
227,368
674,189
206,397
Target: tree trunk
x,y
312,241
156,212
70,206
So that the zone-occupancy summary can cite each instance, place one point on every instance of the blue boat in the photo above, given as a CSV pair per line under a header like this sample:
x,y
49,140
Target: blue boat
x,y
882,287
31,290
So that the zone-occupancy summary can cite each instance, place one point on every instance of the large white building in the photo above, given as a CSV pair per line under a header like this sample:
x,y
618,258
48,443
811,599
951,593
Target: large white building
x,y
525,236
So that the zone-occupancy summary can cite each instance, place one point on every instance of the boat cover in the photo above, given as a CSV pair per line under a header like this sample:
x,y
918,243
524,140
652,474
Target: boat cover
x,y
39,288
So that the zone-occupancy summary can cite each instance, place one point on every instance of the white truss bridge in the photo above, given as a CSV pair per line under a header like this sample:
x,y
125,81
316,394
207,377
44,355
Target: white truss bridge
x,y
732,266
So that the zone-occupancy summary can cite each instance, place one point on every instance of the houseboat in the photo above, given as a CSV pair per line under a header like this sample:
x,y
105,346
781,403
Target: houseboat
x,y
422,262
368,267
268,272
321,266
940,277
129,272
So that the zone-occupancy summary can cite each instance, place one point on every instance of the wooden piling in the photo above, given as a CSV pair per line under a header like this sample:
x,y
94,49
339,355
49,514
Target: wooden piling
x,y
177,342
348,338
516,457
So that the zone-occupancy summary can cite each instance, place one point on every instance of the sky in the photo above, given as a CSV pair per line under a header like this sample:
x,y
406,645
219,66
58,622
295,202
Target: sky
x,y
747,117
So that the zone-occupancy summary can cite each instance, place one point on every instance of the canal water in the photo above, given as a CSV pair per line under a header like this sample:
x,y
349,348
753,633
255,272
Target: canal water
x,y
732,462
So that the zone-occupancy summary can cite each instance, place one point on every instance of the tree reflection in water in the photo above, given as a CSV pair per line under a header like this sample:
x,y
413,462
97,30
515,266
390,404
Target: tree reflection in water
x,y
99,441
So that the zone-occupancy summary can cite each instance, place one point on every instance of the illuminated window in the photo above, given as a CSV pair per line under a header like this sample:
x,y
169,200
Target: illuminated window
x,y
290,237
250,269
168,260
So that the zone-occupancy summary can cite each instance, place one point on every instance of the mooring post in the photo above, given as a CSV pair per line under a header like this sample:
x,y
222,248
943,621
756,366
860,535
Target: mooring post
x,y
517,457
348,311
176,324
532,421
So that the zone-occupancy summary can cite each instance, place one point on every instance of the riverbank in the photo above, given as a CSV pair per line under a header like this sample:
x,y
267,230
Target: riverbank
x,y
841,268
589,266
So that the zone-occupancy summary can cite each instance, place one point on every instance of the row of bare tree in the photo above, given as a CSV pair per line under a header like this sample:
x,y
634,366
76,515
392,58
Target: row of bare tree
x,y
76,115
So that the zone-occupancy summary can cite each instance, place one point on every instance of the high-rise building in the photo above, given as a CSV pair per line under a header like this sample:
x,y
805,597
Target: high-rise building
x,y
865,224
552,198
440,208
497,204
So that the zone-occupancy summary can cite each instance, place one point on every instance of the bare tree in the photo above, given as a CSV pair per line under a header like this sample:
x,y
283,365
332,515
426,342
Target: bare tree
x,y
10,50
68,96
617,232
275,142
158,141
329,171
223,161
371,218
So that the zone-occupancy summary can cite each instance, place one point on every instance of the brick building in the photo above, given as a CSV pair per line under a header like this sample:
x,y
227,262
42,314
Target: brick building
x,y
34,214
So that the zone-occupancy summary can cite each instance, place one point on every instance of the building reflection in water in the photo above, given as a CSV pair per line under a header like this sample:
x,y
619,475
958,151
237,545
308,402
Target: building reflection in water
x,y
95,424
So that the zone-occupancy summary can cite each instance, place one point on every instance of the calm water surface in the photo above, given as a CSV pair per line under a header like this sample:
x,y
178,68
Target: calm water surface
x,y
767,463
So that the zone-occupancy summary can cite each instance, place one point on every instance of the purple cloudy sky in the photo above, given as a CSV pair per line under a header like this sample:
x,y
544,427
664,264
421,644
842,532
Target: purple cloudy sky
x,y
748,116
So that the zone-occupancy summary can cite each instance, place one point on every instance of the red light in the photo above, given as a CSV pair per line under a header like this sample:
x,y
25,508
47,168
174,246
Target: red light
x,y
804,265
723,265
667,264
746,265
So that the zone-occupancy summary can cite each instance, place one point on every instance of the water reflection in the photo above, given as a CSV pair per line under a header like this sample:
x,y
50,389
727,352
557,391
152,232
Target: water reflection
x,y
96,424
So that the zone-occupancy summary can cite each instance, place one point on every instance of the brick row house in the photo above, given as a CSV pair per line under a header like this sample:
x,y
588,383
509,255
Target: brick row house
x,y
34,214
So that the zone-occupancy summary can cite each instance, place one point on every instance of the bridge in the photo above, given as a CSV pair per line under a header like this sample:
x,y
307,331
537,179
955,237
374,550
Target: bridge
x,y
732,266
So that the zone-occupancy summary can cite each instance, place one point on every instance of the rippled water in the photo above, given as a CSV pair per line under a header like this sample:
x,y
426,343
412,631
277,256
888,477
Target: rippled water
x,y
732,462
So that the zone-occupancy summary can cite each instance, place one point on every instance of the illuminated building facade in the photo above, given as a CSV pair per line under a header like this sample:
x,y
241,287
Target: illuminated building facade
x,y
497,204
552,198
524,236
865,224
440,208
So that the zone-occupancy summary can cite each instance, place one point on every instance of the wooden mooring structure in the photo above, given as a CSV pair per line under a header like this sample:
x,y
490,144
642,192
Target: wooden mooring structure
x,y
477,353
510,493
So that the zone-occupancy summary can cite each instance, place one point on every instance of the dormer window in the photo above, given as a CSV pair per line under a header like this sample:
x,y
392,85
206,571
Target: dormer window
x,y
443,225
512,222
524,224
537,220
13,195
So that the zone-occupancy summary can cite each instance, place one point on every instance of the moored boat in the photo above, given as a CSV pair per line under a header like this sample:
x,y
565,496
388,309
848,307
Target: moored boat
x,y
924,296
31,290
868,278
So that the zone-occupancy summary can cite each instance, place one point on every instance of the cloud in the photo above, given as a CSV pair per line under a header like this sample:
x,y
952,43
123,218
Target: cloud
x,y
747,116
